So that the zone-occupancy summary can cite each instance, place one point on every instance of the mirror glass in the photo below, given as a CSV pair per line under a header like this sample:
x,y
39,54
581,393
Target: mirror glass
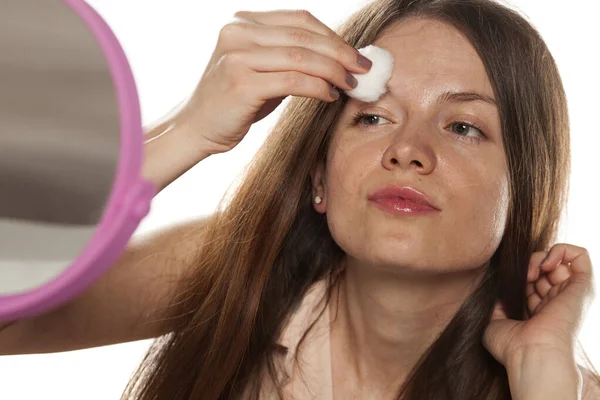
x,y
59,140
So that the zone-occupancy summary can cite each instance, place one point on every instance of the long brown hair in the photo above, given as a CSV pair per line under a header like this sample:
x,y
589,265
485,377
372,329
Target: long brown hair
x,y
261,253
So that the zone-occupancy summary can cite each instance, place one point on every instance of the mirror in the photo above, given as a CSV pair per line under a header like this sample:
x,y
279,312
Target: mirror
x,y
71,194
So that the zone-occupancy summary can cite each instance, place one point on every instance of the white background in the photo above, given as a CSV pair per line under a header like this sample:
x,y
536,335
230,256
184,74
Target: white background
x,y
168,44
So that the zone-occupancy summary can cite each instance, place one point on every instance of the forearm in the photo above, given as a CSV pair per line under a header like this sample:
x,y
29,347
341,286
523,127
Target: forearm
x,y
547,375
170,150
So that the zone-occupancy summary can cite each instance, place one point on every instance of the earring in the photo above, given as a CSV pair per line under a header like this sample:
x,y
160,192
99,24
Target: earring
x,y
318,200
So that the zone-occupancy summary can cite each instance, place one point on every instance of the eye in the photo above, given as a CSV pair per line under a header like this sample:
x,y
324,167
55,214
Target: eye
x,y
359,116
462,124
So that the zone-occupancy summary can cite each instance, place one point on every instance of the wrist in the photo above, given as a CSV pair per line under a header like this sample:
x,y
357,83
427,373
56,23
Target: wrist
x,y
544,374
170,150
191,136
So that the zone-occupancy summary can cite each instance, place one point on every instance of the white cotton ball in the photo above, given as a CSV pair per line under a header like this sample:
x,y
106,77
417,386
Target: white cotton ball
x,y
371,85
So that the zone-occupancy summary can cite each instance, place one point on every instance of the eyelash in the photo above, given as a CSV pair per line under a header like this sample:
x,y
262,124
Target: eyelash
x,y
360,115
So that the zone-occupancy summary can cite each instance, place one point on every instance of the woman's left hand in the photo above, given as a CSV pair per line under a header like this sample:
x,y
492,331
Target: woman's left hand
x,y
559,293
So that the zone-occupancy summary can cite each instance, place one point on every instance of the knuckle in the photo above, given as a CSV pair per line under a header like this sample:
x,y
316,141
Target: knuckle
x,y
342,52
293,80
303,15
296,54
231,60
301,36
229,30
336,73
327,89
585,252
230,66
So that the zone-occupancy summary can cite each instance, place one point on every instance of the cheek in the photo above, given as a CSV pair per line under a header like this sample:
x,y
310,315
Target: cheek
x,y
478,217
347,191
473,221
348,172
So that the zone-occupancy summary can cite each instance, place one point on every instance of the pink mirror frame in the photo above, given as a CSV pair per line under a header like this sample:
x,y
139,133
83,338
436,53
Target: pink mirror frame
x,y
130,198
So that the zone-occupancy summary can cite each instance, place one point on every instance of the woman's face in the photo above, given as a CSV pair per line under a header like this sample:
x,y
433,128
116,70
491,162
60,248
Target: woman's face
x,y
416,141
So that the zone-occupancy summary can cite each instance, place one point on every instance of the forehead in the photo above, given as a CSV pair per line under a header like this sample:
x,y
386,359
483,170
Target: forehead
x,y
432,57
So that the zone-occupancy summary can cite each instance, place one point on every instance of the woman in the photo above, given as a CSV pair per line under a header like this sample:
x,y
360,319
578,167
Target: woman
x,y
304,282
410,296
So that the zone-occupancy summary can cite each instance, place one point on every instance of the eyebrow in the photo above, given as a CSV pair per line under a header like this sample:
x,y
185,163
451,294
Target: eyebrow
x,y
460,97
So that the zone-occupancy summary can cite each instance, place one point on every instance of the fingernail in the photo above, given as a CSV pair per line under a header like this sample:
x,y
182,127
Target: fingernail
x,y
363,61
351,80
334,93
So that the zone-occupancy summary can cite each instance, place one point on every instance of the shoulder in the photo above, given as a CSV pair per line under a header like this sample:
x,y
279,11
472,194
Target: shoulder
x,y
303,315
591,384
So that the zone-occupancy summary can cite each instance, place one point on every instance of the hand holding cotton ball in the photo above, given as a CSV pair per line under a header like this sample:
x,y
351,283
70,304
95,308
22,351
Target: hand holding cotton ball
x,y
371,85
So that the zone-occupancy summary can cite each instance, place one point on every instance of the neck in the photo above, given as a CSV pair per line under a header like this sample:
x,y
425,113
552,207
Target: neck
x,y
385,322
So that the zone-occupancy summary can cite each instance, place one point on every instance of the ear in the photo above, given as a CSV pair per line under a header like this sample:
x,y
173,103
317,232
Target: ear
x,y
317,178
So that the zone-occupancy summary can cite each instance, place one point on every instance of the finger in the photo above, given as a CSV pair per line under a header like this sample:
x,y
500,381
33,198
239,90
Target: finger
x,y
535,260
499,312
530,289
565,253
294,18
301,59
580,265
533,301
559,274
270,85
554,291
277,36
540,305
542,286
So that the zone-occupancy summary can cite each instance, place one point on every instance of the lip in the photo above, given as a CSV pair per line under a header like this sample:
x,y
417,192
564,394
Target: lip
x,y
404,207
404,196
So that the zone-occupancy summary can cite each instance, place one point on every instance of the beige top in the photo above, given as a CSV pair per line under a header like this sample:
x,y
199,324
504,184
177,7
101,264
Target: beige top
x,y
311,378
314,357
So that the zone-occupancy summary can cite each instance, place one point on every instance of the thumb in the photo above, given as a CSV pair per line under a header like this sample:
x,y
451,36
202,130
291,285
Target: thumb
x,y
497,334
